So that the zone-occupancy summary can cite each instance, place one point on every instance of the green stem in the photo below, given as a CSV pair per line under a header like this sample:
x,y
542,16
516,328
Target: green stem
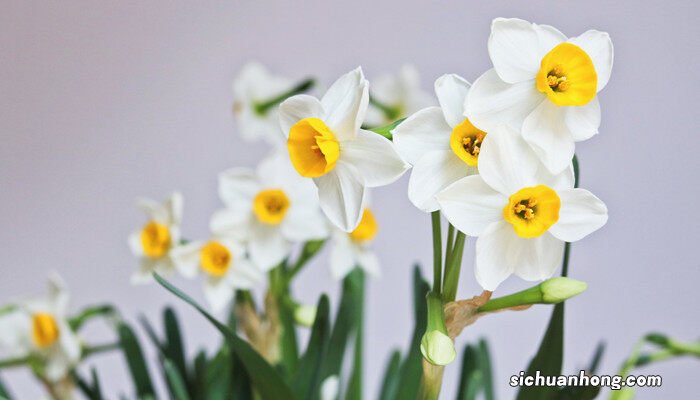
x,y
437,252
532,295
100,348
452,270
450,243
391,113
311,248
386,129
14,362
263,107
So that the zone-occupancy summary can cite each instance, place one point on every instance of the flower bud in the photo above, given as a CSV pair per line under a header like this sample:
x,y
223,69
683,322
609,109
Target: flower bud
x,y
556,290
437,348
305,315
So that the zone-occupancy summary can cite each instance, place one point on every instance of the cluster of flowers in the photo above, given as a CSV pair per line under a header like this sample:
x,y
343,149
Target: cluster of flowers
x,y
494,157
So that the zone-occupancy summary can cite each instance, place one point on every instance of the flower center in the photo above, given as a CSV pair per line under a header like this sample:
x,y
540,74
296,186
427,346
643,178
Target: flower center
x,y
367,229
532,210
567,76
155,239
44,330
465,141
312,147
270,206
215,258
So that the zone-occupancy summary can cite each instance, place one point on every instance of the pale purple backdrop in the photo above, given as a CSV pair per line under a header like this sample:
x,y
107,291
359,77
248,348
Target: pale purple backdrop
x,y
101,102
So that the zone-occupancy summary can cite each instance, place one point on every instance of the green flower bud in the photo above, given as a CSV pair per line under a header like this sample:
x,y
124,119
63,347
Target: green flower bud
x,y
438,348
305,315
556,290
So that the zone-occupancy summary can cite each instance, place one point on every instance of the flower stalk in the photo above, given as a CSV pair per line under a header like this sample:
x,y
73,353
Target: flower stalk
x,y
437,252
453,266
551,291
263,107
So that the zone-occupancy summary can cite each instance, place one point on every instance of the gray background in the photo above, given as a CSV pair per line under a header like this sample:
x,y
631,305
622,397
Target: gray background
x,y
102,102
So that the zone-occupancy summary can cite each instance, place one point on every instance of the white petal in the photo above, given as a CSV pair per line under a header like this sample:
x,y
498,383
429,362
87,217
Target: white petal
x,y
539,257
451,91
345,104
15,339
233,222
514,48
153,210
599,47
144,274
471,205
501,252
581,213
342,258
369,262
238,187
374,157
267,246
506,162
186,258
422,132
546,132
492,102
549,38
135,244
583,122
69,342
174,205
341,194
492,265
561,181
435,171
304,223
244,275
297,108
218,293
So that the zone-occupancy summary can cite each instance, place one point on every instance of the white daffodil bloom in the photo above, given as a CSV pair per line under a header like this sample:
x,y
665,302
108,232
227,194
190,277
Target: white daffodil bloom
x,y
325,143
440,143
253,86
521,213
544,84
39,329
395,96
153,242
350,250
269,209
225,265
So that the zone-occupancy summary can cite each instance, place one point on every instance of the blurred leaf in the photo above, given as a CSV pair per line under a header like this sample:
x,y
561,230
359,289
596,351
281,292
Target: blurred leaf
x,y
470,381
4,393
218,375
307,378
597,356
267,381
390,382
412,369
87,314
485,368
174,348
199,388
354,390
175,381
135,361
386,130
345,323
91,390
290,349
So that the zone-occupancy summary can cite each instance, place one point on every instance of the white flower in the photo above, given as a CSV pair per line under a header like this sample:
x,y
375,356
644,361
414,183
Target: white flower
x,y
325,143
440,143
269,209
225,265
395,96
152,243
521,213
253,86
544,84
350,250
39,328
330,388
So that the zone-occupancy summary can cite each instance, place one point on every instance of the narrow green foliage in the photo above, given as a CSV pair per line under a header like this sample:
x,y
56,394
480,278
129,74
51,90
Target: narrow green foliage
x,y
174,347
91,390
390,381
4,393
386,130
135,361
307,379
176,381
470,382
354,391
266,380
89,313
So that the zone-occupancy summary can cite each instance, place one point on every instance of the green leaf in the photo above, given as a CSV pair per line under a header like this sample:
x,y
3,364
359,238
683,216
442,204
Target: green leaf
x,y
411,368
354,390
87,314
91,390
390,382
386,130
470,383
345,323
174,347
175,380
485,367
218,375
4,393
199,384
307,378
135,361
267,381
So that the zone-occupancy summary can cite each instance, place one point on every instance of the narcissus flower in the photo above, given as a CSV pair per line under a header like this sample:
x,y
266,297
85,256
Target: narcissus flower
x,y
152,243
39,329
545,84
350,250
440,143
223,262
269,209
254,86
325,143
521,213
395,96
